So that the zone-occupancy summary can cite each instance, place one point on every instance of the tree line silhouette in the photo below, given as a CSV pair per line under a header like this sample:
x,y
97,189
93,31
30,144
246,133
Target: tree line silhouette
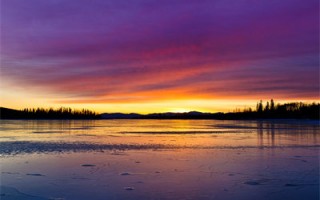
x,y
269,110
297,110
51,113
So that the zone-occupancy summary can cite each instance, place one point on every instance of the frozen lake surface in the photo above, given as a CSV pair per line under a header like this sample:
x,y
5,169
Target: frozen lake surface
x,y
159,159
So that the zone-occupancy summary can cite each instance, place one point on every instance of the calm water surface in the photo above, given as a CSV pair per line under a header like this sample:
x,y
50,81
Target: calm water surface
x,y
159,159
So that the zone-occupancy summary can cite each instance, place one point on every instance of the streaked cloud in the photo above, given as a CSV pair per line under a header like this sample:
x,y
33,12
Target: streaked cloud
x,y
95,51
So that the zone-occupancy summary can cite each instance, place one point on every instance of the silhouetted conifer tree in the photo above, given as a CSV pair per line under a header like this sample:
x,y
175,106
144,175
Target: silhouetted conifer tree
x,y
260,107
267,108
272,108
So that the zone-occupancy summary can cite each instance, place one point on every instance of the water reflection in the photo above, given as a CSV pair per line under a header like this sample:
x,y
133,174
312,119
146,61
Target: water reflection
x,y
269,130
159,159
270,133
157,134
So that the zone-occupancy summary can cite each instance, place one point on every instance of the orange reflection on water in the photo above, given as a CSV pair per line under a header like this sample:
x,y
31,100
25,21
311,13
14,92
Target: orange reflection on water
x,y
170,133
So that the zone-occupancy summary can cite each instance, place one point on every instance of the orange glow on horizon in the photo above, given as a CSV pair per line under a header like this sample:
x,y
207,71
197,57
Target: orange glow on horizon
x,y
176,99
22,100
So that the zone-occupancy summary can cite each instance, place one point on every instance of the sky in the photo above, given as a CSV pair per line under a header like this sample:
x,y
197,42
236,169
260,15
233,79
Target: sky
x,y
157,56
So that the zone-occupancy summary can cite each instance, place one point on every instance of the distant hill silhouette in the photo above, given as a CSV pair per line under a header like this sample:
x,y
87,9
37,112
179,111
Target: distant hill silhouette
x,y
120,116
295,110
167,115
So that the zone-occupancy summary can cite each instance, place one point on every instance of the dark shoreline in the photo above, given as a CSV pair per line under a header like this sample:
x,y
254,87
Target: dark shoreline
x,y
284,112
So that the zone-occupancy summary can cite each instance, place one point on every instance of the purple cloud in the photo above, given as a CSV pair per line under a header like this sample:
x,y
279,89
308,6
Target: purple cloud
x,y
124,50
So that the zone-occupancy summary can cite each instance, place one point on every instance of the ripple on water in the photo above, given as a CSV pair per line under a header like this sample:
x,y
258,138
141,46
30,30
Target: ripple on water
x,y
88,165
125,174
128,188
35,174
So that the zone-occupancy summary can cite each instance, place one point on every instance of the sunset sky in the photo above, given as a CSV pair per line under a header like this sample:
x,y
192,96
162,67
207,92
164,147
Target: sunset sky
x,y
158,55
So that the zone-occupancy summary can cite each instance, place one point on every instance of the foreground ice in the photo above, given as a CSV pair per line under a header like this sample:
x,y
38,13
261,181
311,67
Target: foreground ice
x,y
165,174
11,193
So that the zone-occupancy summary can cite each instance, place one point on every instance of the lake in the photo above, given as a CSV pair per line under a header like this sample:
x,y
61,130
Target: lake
x,y
159,159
